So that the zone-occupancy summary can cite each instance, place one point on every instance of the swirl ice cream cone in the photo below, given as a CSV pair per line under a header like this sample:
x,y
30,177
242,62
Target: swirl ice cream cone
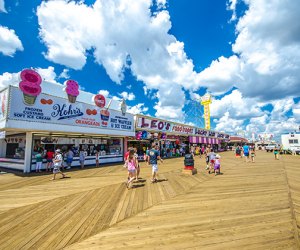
x,y
72,90
30,86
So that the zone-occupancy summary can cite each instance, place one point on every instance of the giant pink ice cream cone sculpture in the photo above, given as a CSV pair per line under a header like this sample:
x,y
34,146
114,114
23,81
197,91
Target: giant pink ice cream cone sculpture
x,y
72,90
30,85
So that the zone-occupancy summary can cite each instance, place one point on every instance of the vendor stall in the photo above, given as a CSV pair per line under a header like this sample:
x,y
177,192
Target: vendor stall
x,y
37,115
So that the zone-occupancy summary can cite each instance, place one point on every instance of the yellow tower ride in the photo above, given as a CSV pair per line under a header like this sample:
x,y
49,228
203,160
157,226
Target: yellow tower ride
x,y
205,102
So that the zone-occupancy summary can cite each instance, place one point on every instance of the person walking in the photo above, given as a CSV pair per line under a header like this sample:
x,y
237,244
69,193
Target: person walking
x,y
206,153
252,154
246,152
49,156
217,165
97,155
39,161
138,170
153,157
211,157
82,157
276,153
70,156
57,162
238,151
131,166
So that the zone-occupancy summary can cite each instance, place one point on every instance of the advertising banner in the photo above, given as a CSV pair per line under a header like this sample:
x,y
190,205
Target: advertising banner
x,y
180,129
55,110
3,104
147,123
153,124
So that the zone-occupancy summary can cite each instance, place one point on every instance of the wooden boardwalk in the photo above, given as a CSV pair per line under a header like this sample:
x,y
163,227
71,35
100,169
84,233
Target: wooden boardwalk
x,y
250,206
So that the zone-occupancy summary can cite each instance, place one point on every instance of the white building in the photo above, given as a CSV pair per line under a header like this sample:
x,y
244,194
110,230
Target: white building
x,y
291,142
48,119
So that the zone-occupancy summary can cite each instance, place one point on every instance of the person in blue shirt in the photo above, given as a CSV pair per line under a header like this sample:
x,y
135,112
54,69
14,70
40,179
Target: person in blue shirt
x,y
246,152
153,157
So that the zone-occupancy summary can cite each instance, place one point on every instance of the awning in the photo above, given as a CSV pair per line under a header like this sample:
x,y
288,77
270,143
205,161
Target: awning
x,y
205,140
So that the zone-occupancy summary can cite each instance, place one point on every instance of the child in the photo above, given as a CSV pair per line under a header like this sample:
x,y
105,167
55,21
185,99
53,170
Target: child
x,y
131,166
276,153
252,153
212,157
217,165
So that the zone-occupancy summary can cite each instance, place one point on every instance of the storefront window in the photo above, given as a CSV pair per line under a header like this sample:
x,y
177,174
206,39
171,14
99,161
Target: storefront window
x,y
106,146
15,147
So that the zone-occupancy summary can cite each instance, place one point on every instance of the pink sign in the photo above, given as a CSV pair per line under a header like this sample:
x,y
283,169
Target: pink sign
x,y
72,90
99,100
153,124
183,129
30,85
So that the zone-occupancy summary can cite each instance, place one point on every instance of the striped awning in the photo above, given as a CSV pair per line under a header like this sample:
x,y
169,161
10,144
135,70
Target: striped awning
x,y
204,140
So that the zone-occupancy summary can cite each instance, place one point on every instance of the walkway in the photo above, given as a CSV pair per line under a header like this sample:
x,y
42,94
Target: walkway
x,y
253,205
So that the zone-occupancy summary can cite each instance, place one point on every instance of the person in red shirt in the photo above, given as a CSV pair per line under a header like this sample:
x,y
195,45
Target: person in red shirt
x,y
49,157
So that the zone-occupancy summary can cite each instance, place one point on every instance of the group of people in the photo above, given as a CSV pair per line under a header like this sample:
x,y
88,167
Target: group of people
x,y
67,159
133,167
247,152
213,163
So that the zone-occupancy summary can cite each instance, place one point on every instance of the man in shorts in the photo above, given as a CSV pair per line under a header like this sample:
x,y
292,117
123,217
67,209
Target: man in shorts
x,y
153,156
246,152
57,162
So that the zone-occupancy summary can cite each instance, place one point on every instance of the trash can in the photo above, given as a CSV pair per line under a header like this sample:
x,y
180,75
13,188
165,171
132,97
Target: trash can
x,y
188,161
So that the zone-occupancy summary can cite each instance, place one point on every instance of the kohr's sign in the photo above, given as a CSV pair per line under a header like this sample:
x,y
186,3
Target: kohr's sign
x,y
55,110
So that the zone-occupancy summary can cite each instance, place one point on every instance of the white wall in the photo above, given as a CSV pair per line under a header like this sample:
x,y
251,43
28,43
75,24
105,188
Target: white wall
x,y
2,148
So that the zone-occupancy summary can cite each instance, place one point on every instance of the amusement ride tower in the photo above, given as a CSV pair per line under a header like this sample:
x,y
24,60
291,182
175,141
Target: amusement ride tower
x,y
205,102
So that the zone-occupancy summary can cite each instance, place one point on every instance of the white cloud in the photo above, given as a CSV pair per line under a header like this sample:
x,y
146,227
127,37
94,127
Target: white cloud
x,y
296,112
264,65
2,6
267,61
221,75
231,5
47,74
236,106
9,42
113,29
161,3
228,124
8,79
104,93
137,109
64,74
127,96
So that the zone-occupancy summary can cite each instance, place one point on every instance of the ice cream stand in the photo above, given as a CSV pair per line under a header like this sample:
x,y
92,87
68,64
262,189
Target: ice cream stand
x,y
39,114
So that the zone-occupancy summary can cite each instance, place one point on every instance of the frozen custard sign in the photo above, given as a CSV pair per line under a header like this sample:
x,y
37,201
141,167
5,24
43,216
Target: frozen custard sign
x,y
54,110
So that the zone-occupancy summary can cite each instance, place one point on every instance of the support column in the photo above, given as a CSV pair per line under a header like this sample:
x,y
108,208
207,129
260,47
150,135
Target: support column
x,y
125,145
28,149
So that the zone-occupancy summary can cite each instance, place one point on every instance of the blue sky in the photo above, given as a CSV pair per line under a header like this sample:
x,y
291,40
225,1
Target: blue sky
x,y
163,55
